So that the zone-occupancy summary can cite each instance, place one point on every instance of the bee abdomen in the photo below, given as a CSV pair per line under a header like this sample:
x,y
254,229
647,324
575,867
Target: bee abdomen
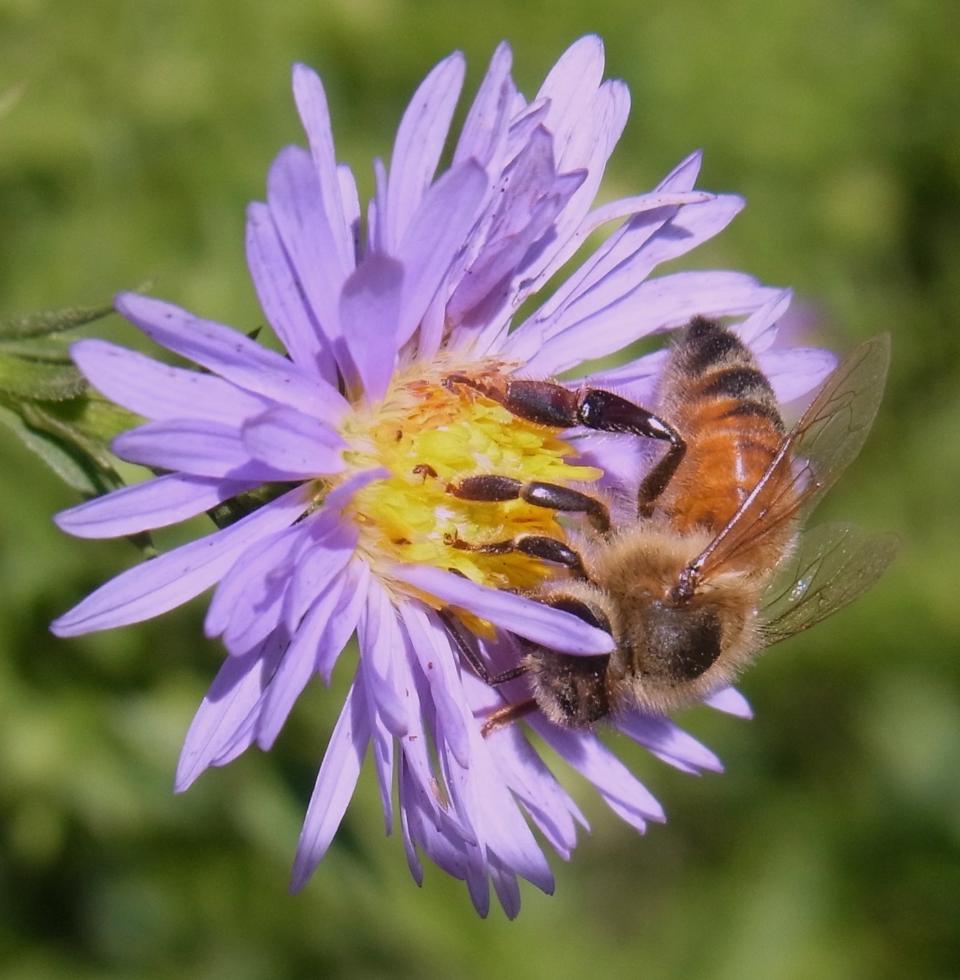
x,y
724,407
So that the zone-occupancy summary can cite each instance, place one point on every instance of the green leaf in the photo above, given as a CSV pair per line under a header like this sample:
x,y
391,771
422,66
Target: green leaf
x,y
39,381
71,463
39,324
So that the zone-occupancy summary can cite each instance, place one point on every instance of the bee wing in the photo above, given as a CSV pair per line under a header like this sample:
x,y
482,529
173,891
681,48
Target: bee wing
x,y
834,564
811,457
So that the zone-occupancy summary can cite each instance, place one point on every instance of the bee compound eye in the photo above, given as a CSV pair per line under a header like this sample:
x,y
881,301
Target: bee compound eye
x,y
589,613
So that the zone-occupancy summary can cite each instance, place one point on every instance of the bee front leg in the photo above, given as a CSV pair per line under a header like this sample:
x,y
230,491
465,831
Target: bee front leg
x,y
548,403
535,545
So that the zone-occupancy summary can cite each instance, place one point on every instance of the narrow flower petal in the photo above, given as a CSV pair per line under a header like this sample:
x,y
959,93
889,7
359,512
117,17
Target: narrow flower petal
x,y
433,237
553,628
369,312
658,304
419,143
796,371
335,784
293,444
225,710
432,648
317,565
231,355
251,587
171,579
379,643
668,741
345,618
295,200
312,105
484,129
142,506
194,446
283,298
585,753
730,701
297,666
160,391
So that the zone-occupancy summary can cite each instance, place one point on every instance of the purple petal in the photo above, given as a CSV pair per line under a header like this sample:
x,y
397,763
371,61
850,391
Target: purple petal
x,y
730,701
369,312
615,783
627,242
159,391
419,143
572,84
668,742
345,618
528,777
382,750
507,889
282,297
249,588
316,567
431,647
552,628
312,105
437,230
796,371
380,643
155,503
659,304
690,226
231,355
225,710
194,446
485,126
294,444
297,667
295,199
335,784
757,330
494,814
171,579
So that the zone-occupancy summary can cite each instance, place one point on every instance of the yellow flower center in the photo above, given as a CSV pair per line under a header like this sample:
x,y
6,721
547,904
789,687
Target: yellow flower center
x,y
429,435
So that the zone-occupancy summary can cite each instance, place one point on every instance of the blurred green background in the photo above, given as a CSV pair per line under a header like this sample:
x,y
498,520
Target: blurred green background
x,y
131,137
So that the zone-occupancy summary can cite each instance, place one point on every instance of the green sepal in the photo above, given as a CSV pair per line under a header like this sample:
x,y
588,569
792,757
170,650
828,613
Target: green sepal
x,y
22,325
39,380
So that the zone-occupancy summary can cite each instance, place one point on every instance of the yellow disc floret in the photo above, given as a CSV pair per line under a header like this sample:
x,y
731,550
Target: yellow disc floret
x,y
429,435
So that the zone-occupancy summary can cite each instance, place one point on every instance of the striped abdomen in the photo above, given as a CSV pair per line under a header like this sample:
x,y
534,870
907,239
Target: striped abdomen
x,y
721,403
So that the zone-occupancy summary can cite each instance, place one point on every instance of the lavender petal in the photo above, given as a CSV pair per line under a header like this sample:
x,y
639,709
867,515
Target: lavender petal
x,y
293,444
231,355
335,784
731,702
160,391
369,312
553,628
171,579
156,503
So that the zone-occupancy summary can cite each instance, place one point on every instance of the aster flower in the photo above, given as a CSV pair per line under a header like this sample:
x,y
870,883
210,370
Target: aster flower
x,y
358,436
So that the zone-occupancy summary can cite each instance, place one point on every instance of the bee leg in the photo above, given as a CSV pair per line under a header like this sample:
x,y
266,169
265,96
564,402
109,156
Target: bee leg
x,y
550,495
551,404
472,655
508,713
534,545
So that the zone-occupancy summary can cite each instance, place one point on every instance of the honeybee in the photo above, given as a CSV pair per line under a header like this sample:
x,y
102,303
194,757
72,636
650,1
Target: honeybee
x,y
714,568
